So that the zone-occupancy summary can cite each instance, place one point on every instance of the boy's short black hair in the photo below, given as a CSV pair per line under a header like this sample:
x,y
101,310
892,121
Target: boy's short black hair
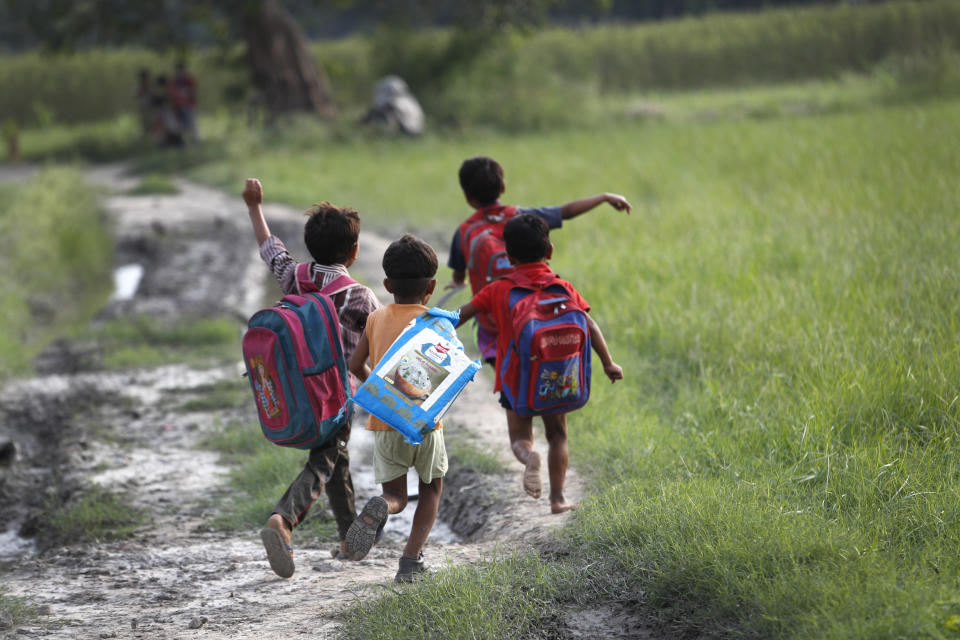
x,y
409,264
481,179
527,238
331,232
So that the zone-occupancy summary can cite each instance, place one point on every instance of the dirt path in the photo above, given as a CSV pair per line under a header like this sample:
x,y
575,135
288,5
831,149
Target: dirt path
x,y
175,578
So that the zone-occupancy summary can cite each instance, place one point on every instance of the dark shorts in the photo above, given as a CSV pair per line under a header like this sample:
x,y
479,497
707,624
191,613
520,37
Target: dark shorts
x,y
504,402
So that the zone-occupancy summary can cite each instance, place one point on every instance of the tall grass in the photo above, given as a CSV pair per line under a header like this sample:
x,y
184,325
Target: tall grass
x,y
774,45
792,336
56,254
43,89
547,79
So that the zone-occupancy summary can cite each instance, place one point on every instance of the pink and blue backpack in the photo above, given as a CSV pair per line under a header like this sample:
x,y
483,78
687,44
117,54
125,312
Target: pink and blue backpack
x,y
294,357
546,369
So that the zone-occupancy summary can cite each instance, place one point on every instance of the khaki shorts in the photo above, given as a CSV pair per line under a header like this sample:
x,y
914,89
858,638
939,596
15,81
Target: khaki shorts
x,y
393,456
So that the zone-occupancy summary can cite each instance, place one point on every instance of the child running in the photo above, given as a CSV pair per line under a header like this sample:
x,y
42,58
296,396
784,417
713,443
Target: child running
x,y
331,235
482,181
527,239
410,265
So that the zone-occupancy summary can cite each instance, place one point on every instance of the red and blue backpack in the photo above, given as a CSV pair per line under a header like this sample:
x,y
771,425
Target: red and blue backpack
x,y
481,241
546,369
294,357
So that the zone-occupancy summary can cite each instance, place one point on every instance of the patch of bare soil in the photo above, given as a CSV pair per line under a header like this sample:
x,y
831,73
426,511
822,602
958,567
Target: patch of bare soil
x,y
175,578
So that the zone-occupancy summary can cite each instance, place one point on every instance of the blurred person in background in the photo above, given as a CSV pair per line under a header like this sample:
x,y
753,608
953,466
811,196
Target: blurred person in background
x,y
184,97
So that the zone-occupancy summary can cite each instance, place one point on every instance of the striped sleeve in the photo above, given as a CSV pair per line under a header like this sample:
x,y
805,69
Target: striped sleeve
x,y
281,263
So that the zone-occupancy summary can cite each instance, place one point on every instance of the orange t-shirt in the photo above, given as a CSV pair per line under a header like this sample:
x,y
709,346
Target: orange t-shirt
x,y
383,327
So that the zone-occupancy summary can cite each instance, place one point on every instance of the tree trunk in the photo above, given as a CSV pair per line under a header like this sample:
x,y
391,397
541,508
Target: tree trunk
x,y
282,68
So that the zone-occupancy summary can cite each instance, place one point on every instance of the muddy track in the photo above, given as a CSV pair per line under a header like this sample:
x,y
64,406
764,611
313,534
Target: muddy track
x,y
175,578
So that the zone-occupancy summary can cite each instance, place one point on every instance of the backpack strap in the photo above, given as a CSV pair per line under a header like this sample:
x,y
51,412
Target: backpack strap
x,y
338,284
306,284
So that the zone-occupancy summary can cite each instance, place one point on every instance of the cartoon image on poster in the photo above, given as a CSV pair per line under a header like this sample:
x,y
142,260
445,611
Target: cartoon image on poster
x,y
416,376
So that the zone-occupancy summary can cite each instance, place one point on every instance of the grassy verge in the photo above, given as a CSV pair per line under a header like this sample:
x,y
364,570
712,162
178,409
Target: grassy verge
x,y
154,184
56,252
148,342
17,611
513,597
94,514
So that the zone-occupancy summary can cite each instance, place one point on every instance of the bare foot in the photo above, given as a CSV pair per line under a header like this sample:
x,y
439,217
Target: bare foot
x,y
531,476
562,506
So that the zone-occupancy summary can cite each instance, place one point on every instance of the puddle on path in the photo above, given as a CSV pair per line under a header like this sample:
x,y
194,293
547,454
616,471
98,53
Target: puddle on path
x,y
12,545
126,281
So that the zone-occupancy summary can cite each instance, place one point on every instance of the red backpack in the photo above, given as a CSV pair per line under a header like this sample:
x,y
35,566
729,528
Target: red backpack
x,y
481,241
546,369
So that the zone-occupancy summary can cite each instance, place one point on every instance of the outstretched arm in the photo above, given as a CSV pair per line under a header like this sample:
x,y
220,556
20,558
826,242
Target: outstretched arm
x,y
611,368
467,311
358,361
575,208
253,196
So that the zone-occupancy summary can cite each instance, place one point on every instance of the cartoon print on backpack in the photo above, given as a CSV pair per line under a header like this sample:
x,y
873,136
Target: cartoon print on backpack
x,y
265,388
557,385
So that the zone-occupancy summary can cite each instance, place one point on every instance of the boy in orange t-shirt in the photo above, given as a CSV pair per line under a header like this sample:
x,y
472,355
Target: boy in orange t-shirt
x,y
410,265
527,239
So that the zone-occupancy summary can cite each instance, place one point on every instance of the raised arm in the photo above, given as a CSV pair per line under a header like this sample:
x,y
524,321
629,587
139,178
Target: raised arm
x,y
253,196
575,208
358,361
610,368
